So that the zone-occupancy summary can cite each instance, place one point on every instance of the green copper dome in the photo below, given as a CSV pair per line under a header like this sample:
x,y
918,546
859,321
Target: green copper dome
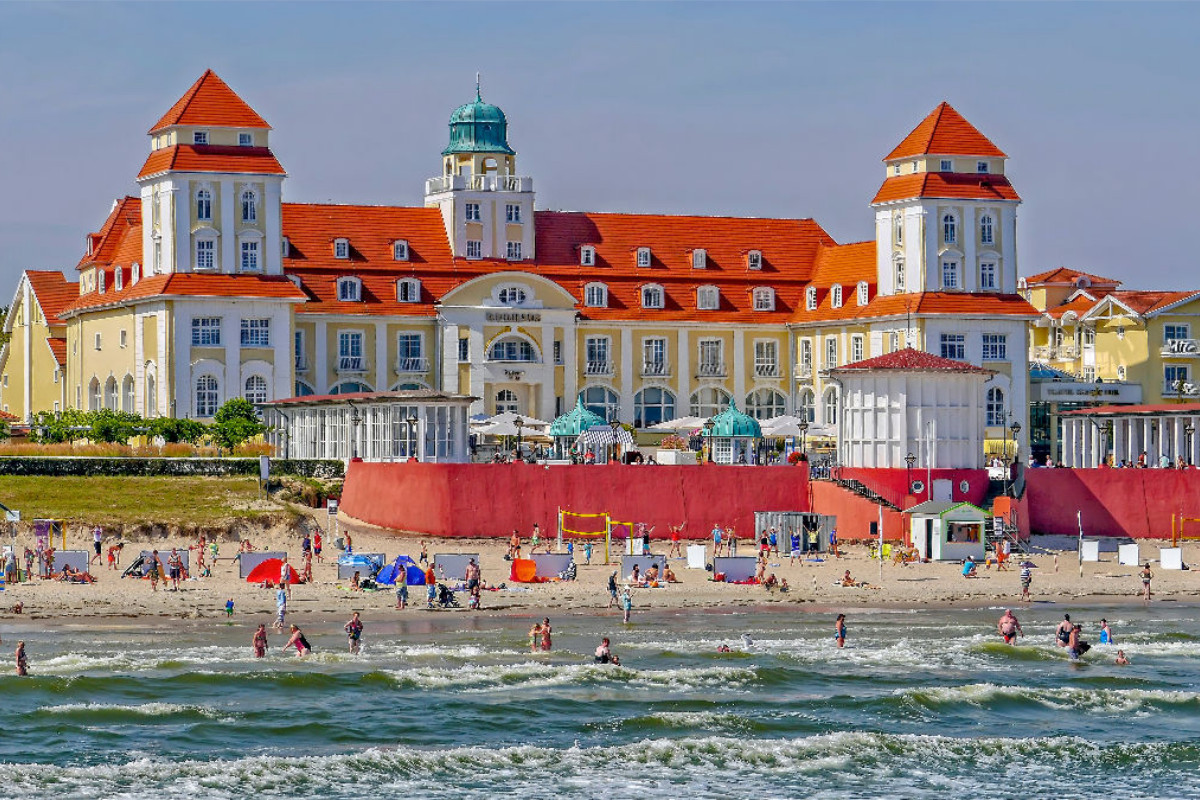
x,y
733,423
478,127
576,421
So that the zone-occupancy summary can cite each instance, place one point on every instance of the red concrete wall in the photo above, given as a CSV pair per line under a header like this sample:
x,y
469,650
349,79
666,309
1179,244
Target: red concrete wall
x,y
890,484
1113,502
493,499
854,513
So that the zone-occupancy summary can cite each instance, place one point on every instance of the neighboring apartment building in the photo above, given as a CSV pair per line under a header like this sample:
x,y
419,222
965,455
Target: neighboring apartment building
x,y
209,286
33,361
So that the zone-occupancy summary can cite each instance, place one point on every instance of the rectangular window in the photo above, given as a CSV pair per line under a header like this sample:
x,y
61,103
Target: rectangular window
x,y
471,211
464,349
595,295
400,250
246,139
256,333
200,137
512,213
947,165
474,248
856,349
699,259
409,353
341,248
298,339
652,297
350,351
806,354
1176,378
708,298
123,338
587,256
285,247
513,251
654,356
987,275
643,256
206,250
893,341
596,349
712,362
206,332
558,353
895,169
981,166
1173,333
766,358
754,259
954,345
949,274
831,348
249,256
995,347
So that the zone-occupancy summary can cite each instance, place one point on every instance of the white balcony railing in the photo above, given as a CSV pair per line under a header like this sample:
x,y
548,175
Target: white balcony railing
x,y
655,369
412,364
712,369
351,364
598,368
301,363
1065,352
479,183
766,370
804,371
1180,348
1181,389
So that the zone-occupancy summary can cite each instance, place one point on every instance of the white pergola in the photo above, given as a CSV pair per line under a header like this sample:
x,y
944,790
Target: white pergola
x,y
1091,435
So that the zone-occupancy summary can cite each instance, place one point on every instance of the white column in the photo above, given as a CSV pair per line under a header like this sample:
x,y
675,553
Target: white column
x,y
626,368
739,367
227,258
570,367
684,370
1180,444
320,367
180,202
162,373
449,365
272,258
1097,446
546,398
1148,442
231,331
970,267
475,335
383,370
1120,440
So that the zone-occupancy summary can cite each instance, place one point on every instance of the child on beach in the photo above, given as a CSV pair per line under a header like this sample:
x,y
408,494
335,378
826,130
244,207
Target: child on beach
x,y
587,553
229,607
354,629
535,637
627,603
401,591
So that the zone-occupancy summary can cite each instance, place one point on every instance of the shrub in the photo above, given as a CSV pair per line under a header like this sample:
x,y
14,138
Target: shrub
x,y
235,422
116,466
174,431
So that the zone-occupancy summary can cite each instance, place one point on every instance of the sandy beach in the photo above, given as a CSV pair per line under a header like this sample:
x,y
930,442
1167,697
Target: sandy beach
x,y
811,582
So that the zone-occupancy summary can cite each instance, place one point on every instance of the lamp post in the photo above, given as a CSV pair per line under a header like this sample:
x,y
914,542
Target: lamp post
x,y
909,459
1015,428
1188,430
412,432
520,423
354,420
708,428
803,433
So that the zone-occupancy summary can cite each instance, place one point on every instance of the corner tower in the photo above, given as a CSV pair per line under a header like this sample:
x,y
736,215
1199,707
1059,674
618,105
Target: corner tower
x,y
486,207
211,188
946,214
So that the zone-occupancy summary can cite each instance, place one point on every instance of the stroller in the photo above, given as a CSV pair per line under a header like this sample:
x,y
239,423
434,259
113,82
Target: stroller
x,y
446,597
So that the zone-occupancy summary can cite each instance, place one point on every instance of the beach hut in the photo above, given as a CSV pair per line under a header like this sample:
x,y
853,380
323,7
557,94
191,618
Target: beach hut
x,y
567,429
732,435
946,530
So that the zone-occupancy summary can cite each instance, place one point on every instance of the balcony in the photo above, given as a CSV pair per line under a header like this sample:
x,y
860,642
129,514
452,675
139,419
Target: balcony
x,y
1180,348
1063,352
479,183
1181,389
828,365
301,363
766,370
655,369
712,369
412,364
350,364
598,368
804,372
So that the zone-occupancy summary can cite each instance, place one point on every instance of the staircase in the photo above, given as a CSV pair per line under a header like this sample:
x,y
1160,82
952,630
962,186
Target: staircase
x,y
860,489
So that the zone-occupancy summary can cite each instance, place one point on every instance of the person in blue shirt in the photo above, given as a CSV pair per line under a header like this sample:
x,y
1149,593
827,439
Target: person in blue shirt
x,y
969,570
1106,636
795,543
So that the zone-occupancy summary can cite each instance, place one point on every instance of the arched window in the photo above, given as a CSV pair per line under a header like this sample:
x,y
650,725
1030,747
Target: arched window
x,y
95,399
302,389
836,302
112,400
127,394
949,229
986,230
512,348
765,403
995,407
810,298
831,407
512,295
807,405
206,396
204,205
256,389
151,396
653,405
652,296
708,401
350,387
506,400
603,401
249,206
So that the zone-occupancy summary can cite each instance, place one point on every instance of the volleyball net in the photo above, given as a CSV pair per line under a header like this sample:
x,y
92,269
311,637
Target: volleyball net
x,y
1184,528
577,524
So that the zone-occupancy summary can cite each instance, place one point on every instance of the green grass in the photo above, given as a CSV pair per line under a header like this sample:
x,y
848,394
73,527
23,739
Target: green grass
x,y
133,500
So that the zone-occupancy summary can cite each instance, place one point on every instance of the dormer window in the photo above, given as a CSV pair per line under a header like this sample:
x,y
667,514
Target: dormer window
x,y
708,298
754,259
863,293
810,298
245,140
587,256
652,296
947,165
836,296
100,281
349,290
285,247
764,299
643,256
982,167
895,169
595,295
118,280
408,290
249,206
200,137
341,248
400,250
699,259
135,273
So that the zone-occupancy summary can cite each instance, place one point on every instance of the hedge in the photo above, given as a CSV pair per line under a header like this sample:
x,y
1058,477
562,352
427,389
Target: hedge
x,y
119,466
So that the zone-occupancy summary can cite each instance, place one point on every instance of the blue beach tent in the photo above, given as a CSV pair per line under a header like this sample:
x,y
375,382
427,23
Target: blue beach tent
x,y
403,565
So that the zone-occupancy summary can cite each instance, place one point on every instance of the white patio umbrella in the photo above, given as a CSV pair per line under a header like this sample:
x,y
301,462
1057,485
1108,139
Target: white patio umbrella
x,y
507,428
679,425
510,417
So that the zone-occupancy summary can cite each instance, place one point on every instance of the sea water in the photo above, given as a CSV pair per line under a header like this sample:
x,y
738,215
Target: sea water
x,y
920,703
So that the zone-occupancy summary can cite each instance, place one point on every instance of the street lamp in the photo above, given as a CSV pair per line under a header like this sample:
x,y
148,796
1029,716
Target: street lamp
x,y
909,459
520,423
1188,430
1015,428
708,428
354,420
412,432
803,433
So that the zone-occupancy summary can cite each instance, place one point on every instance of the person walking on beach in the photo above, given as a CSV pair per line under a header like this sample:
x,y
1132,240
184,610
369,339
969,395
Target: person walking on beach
x,y
716,536
430,585
22,662
839,630
402,591
97,544
155,570
259,642
612,589
627,603
1009,626
175,568
354,629
317,543
298,641
472,576
280,606
1026,579
535,539
587,553
1146,576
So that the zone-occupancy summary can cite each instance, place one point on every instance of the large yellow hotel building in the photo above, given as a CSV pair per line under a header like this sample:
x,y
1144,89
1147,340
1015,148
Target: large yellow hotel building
x,y
206,285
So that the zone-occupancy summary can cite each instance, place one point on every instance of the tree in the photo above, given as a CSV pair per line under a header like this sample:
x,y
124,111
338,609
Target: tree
x,y
115,427
174,431
236,422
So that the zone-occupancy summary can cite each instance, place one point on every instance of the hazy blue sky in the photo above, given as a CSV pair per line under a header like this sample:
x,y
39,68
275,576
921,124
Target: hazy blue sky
x,y
769,109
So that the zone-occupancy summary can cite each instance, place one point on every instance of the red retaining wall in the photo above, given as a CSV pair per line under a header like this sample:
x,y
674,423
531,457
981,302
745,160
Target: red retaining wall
x,y
854,513
890,483
493,499
1114,502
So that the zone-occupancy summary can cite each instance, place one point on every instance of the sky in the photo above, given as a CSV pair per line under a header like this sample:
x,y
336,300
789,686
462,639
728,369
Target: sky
x,y
759,109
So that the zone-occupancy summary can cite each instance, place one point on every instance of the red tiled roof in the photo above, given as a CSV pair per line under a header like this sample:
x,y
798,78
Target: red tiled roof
x,y
920,303
1144,303
1079,305
58,346
126,214
211,158
949,185
945,132
846,264
210,101
909,360
1163,408
1066,275
276,287
53,292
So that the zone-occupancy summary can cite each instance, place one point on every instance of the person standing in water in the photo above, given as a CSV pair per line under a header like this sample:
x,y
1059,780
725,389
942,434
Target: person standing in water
x,y
354,629
1106,636
1062,634
627,603
297,639
1009,626
535,635
22,662
839,630
259,642
546,634
603,652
